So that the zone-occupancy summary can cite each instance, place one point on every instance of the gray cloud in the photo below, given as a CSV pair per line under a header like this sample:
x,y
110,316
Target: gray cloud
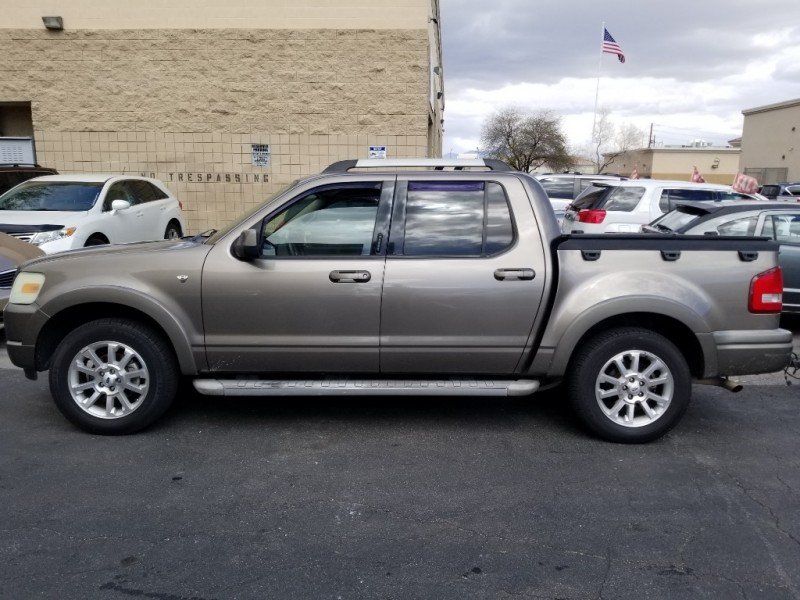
x,y
490,45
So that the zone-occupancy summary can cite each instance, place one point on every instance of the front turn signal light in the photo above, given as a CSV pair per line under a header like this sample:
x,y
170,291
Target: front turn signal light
x,y
26,288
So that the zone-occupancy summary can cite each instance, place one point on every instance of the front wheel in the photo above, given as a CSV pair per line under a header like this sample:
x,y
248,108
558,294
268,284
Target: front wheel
x,y
113,376
629,385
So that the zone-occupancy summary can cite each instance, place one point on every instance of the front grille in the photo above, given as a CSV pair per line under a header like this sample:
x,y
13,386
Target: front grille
x,y
25,237
7,278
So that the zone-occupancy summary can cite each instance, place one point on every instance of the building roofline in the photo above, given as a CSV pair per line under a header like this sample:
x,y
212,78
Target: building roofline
x,y
769,107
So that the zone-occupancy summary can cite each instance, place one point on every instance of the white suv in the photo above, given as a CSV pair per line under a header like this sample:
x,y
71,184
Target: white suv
x,y
64,212
624,206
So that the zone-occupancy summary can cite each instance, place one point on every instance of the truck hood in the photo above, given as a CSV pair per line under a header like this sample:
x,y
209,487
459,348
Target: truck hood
x,y
27,221
117,251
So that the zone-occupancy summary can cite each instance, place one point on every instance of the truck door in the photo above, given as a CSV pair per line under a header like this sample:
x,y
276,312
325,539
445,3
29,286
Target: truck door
x,y
465,275
311,301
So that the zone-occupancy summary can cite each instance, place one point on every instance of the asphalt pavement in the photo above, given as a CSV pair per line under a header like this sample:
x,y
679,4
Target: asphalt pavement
x,y
399,498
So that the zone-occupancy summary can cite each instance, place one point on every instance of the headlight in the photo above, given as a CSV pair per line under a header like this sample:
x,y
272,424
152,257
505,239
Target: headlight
x,y
51,236
26,288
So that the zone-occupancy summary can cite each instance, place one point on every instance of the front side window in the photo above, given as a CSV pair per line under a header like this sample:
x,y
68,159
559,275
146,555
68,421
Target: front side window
x,y
118,191
460,218
624,199
735,196
51,196
334,220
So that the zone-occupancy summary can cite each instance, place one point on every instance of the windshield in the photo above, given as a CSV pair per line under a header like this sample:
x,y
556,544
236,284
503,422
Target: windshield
x,y
51,196
591,197
678,218
220,233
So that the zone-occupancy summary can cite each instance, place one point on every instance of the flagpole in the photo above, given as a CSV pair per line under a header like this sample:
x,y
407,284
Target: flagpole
x,y
599,72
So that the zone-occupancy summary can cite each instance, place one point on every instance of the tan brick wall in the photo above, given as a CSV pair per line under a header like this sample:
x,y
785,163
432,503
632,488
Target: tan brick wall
x,y
192,101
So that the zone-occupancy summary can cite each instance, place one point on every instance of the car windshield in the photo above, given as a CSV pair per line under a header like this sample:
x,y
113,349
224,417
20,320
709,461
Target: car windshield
x,y
51,196
678,218
591,197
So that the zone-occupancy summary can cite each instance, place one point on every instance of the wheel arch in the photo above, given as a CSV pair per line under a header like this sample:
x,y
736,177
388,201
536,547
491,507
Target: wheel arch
x,y
688,332
68,315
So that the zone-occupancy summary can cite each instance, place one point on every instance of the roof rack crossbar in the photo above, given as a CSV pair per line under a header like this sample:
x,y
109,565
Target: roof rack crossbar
x,y
439,164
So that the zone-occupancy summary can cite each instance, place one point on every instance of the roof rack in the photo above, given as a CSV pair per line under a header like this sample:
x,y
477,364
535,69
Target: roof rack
x,y
438,164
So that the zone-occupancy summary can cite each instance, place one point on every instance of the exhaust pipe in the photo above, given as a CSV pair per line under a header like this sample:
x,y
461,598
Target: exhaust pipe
x,y
732,386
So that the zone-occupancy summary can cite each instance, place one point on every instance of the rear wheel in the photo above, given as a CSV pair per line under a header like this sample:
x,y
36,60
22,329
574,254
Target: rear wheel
x,y
629,385
113,376
173,231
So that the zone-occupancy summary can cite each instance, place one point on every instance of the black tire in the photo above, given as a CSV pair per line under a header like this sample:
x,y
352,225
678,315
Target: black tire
x,y
173,231
586,366
157,355
96,240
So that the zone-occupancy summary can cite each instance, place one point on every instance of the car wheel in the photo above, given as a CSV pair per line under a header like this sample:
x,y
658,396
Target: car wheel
x,y
173,232
113,376
629,385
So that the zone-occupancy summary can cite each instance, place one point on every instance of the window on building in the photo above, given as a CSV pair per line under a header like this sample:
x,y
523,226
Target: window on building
x,y
16,119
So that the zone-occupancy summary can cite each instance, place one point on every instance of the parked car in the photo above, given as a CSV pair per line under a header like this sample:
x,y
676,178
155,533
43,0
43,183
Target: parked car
x,y
627,205
781,191
563,188
12,254
776,220
11,175
64,212
420,283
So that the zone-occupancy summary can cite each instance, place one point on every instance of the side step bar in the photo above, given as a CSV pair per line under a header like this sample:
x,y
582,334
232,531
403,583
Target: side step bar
x,y
366,387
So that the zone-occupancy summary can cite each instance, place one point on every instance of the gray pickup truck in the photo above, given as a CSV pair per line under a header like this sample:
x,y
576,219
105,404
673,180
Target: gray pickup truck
x,y
415,277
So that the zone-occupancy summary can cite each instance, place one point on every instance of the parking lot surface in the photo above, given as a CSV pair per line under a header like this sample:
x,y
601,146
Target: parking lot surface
x,y
399,498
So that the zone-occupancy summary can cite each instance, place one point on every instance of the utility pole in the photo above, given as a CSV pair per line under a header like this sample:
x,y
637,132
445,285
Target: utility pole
x,y
650,139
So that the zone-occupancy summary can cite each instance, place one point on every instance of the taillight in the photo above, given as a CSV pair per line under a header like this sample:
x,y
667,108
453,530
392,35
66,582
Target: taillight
x,y
766,292
591,215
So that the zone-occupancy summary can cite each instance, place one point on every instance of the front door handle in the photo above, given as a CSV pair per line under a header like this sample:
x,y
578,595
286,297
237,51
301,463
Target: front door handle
x,y
514,274
350,276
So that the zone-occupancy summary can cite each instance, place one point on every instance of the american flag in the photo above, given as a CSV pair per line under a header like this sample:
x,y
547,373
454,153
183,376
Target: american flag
x,y
610,46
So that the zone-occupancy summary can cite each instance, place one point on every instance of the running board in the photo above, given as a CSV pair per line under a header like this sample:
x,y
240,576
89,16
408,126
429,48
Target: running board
x,y
366,387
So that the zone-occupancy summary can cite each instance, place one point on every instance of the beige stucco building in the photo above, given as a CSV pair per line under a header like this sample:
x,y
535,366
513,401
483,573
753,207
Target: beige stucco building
x,y
202,94
716,165
771,142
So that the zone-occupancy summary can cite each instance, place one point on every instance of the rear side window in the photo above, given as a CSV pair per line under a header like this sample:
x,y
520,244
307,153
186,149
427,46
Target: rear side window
x,y
785,228
463,218
559,187
624,199
144,191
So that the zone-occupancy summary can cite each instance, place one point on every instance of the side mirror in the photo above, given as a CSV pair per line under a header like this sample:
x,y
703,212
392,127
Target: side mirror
x,y
119,205
246,246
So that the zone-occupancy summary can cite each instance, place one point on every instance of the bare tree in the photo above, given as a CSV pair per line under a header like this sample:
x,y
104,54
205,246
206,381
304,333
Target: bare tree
x,y
526,141
608,142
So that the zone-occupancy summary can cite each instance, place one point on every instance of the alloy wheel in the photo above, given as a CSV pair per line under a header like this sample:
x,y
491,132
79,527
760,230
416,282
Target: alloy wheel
x,y
634,388
108,379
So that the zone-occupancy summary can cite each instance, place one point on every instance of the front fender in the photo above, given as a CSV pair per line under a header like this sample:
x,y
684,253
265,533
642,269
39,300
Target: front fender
x,y
177,333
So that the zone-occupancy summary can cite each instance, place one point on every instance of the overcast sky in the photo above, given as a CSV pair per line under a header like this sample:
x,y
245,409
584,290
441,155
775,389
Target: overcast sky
x,y
692,65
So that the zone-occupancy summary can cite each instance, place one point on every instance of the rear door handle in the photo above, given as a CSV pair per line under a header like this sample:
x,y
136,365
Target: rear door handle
x,y
514,274
350,276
